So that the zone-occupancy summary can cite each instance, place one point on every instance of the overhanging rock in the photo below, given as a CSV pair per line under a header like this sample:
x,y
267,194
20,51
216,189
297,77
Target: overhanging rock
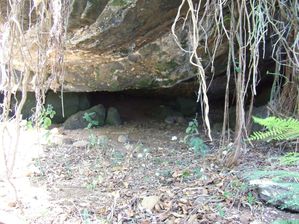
x,y
126,44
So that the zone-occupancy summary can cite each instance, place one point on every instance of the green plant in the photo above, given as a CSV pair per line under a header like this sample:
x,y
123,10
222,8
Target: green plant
x,y
46,116
85,215
220,210
186,174
227,195
251,199
91,121
120,2
97,141
193,140
29,125
197,172
291,158
277,129
92,185
286,221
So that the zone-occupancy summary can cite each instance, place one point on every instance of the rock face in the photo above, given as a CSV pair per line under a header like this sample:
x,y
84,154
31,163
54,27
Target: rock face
x,y
72,103
125,44
277,194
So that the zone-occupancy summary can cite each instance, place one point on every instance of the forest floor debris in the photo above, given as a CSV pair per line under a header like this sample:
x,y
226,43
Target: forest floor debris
x,y
149,178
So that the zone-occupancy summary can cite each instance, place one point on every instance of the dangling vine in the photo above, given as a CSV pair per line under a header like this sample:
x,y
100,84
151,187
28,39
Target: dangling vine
x,y
44,23
250,28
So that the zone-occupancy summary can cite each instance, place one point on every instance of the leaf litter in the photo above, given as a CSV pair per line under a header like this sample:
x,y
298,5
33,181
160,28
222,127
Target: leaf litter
x,y
149,178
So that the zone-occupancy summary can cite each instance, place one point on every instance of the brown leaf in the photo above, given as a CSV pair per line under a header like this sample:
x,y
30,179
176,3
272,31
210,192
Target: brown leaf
x,y
245,217
164,216
192,218
177,215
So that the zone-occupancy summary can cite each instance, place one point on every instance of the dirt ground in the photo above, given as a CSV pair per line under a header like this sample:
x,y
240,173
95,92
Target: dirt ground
x,y
139,172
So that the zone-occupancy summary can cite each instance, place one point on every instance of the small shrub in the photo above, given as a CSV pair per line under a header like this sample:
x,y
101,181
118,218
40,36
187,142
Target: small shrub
x,y
89,118
97,141
251,199
45,118
193,140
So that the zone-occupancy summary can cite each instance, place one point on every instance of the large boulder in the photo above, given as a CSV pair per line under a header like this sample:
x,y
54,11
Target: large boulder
x,y
125,44
83,119
113,116
281,195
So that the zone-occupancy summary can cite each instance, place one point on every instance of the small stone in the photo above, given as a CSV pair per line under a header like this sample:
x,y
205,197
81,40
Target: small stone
x,y
123,139
150,202
12,204
135,57
174,138
54,131
81,144
67,141
57,139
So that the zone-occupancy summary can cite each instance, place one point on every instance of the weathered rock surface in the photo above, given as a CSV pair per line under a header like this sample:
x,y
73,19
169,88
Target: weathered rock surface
x,y
71,104
186,106
113,117
126,44
77,121
276,194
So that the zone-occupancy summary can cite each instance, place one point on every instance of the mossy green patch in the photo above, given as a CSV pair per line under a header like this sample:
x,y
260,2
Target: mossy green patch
x,y
97,73
145,83
114,86
166,66
120,3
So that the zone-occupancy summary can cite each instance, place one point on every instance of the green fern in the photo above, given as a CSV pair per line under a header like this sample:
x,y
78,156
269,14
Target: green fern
x,y
290,159
287,221
277,129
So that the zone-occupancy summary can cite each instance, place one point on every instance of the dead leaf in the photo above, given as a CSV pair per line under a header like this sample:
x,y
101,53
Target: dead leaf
x,y
245,217
130,213
177,215
126,184
183,200
157,207
150,202
192,218
164,216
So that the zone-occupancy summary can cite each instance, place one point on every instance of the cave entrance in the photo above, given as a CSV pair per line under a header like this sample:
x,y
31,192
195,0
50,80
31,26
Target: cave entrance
x,y
145,105
176,104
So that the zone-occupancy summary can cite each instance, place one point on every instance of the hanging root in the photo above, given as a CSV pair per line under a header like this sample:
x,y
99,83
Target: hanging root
x,y
251,28
43,23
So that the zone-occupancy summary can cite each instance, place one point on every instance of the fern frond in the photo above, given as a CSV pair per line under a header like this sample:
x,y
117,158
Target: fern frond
x,y
277,129
275,175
